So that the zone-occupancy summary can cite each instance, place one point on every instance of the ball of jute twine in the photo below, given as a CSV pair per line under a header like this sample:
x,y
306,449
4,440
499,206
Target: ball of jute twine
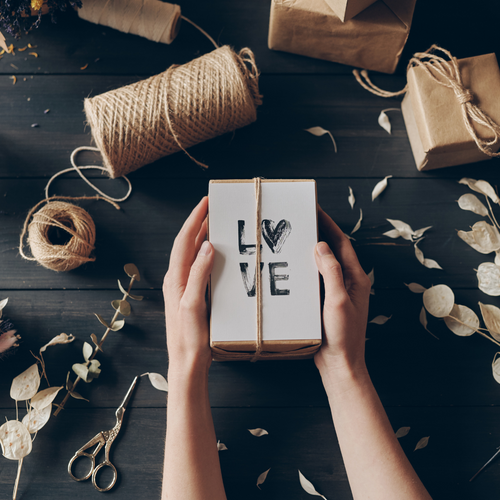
x,y
183,106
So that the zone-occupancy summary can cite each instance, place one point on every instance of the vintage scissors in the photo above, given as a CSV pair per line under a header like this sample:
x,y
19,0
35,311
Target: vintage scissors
x,y
104,438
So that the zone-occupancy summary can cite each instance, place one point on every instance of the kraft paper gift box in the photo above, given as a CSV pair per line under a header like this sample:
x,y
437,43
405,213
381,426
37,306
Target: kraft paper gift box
x,y
290,299
347,9
433,116
373,40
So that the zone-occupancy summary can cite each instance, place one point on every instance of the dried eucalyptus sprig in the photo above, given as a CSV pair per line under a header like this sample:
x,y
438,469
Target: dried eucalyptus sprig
x,y
90,368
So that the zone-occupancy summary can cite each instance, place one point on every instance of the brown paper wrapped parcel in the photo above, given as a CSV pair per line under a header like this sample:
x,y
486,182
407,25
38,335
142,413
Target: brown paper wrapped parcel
x,y
274,314
374,39
433,115
347,9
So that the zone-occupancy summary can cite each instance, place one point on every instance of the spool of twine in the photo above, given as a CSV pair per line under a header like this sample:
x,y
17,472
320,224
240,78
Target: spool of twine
x,y
183,106
151,19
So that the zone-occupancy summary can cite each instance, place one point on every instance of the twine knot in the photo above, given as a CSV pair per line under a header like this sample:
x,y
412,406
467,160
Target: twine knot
x,y
463,95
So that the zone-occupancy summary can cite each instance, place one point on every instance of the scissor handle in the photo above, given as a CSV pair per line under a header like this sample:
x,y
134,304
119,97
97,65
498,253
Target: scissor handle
x,y
101,466
72,461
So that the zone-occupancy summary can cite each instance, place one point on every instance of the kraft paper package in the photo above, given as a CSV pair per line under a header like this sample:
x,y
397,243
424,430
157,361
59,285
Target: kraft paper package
x,y
288,297
433,114
347,9
373,39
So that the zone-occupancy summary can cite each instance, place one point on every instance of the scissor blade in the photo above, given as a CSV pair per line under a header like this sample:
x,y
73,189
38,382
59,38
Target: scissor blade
x,y
127,397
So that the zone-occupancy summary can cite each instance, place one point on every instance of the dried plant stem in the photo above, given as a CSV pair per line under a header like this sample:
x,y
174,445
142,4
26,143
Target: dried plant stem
x,y
478,330
16,484
75,383
492,217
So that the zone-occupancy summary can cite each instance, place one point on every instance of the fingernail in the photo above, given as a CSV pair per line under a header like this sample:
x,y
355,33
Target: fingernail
x,y
206,248
323,249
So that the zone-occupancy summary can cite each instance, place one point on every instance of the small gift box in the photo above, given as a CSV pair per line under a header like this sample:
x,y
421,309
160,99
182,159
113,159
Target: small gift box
x,y
274,314
347,9
452,110
374,39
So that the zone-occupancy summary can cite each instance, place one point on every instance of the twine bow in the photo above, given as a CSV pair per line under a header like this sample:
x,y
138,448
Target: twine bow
x,y
445,73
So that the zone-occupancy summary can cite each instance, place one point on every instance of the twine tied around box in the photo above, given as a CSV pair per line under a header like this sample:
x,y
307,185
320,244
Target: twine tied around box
x,y
451,78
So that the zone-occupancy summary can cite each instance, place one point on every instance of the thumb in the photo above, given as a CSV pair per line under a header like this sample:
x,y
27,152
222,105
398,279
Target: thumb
x,y
331,270
194,294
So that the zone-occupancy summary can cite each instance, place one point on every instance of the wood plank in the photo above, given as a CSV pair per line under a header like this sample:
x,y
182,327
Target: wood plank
x,y
274,146
409,367
303,438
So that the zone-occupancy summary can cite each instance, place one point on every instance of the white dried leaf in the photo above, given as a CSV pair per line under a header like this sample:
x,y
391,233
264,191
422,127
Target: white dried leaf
x,y
34,420
319,131
439,300
497,258
44,398
486,188
258,432
471,183
351,198
262,478
358,224
380,187
221,446
429,263
472,203
62,338
3,302
384,122
26,385
468,237
422,443
495,367
416,288
404,229
308,486
419,232
158,381
393,233
418,253
486,237
87,350
488,277
371,276
402,432
491,318
15,440
349,237
381,320
462,321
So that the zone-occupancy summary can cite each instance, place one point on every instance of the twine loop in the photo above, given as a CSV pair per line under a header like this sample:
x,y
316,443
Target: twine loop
x,y
445,72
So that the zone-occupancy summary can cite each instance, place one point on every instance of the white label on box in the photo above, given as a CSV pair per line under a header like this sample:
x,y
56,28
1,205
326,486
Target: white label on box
x,y
290,280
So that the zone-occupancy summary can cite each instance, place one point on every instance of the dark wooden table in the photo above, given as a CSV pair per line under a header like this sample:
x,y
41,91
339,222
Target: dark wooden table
x,y
440,388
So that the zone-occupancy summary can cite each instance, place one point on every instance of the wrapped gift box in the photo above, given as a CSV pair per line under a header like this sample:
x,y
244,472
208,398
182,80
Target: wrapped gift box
x,y
347,9
291,314
374,39
433,115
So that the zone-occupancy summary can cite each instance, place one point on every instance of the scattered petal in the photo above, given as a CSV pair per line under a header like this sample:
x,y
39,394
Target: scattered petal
x,y
402,432
422,443
491,318
423,320
262,478
158,381
25,385
404,229
495,366
34,54
488,277
14,79
62,338
462,321
221,446
319,131
308,486
3,303
358,224
34,420
416,288
258,432
419,232
380,187
471,202
429,263
439,300
34,125
85,67
384,122
44,398
393,233
381,320
351,198
15,440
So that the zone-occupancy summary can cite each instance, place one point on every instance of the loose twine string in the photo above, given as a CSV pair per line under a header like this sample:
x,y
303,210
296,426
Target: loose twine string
x,y
436,66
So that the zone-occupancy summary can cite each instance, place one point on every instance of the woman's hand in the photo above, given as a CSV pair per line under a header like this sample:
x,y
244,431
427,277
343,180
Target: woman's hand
x,y
345,311
184,290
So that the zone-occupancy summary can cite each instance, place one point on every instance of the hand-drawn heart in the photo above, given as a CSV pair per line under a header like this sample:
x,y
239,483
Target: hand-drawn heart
x,y
275,234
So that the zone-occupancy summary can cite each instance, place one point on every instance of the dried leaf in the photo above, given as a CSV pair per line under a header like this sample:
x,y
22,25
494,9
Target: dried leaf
x,y
3,303
404,229
491,318
419,232
25,385
495,367
486,188
258,432
87,351
69,383
358,224
351,198
308,486
81,371
439,300
429,263
102,320
381,320
221,446
462,321
371,276
471,202
94,370
262,478
419,254
423,321
118,325
484,238
121,305
158,381
96,342
384,122
488,277
76,395
422,443
318,132
380,187
471,183
416,288
15,440
132,271
44,398
402,432
135,297
62,338
85,66
497,262
393,233
34,420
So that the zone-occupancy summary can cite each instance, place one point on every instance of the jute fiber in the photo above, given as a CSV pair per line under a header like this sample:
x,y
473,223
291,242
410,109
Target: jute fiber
x,y
183,106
